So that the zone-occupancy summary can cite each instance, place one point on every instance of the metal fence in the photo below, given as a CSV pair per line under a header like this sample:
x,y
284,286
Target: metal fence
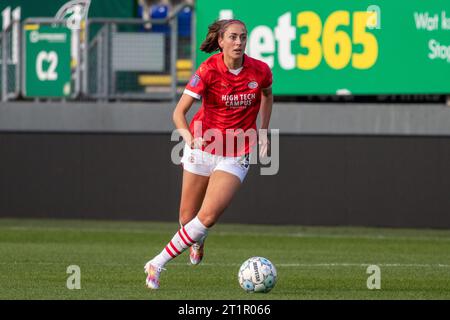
x,y
124,61
111,59
10,62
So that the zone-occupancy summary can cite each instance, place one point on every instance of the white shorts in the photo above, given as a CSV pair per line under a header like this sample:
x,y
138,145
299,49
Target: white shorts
x,y
203,163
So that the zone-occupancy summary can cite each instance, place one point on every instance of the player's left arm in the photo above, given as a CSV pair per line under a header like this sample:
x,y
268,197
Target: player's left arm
x,y
265,113
266,107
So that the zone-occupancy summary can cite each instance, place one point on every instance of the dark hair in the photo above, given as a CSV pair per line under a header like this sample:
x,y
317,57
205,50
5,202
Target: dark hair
x,y
216,31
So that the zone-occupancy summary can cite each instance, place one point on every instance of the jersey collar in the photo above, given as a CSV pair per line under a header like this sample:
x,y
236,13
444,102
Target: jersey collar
x,y
223,68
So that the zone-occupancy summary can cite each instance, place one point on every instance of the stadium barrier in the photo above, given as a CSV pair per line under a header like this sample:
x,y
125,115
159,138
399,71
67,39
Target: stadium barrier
x,y
328,180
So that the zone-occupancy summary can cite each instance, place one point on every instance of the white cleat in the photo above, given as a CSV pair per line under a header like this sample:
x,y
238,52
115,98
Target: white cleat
x,y
153,272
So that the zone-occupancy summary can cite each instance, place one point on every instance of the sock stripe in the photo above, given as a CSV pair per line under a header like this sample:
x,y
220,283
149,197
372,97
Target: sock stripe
x,y
170,253
187,236
174,248
182,238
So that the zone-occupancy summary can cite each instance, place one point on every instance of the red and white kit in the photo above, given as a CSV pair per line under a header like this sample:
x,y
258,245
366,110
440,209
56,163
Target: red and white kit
x,y
231,101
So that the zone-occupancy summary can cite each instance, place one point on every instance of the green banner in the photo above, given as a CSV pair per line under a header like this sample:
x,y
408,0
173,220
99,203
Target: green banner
x,y
47,61
343,47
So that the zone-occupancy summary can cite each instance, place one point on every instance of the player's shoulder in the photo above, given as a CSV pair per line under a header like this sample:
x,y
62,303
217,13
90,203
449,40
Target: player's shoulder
x,y
210,64
256,63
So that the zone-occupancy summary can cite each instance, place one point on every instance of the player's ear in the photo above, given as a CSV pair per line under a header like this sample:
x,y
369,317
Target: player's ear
x,y
220,42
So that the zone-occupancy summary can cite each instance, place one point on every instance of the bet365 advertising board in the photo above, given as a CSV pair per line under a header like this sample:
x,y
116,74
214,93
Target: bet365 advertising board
x,y
346,46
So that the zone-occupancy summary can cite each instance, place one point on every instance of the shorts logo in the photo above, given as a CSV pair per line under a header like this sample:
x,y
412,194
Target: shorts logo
x,y
244,161
194,80
253,85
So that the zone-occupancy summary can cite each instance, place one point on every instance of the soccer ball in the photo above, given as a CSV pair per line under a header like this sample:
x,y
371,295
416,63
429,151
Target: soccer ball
x,y
257,274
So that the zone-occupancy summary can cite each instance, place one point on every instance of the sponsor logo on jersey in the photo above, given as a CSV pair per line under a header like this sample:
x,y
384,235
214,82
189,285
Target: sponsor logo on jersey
x,y
242,100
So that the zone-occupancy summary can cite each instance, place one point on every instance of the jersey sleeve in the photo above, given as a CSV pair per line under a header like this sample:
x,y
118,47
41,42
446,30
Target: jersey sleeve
x,y
197,84
267,80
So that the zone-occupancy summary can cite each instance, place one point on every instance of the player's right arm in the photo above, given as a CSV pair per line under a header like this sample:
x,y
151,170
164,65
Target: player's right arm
x,y
194,90
179,118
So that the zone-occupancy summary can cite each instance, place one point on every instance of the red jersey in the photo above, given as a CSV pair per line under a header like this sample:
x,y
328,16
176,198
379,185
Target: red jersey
x,y
229,102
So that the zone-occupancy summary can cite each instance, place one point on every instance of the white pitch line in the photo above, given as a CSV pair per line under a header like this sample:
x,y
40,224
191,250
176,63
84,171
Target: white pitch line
x,y
224,233
337,264
283,265
402,265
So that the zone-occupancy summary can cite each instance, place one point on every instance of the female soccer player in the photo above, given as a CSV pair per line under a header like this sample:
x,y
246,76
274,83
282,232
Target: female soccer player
x,y
233,88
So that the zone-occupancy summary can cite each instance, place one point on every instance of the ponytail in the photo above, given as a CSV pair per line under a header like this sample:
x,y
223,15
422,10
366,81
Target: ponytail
x,y
215,31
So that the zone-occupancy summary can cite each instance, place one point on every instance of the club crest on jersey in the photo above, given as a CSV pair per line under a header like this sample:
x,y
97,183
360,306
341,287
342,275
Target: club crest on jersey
x,y
194,80
253,85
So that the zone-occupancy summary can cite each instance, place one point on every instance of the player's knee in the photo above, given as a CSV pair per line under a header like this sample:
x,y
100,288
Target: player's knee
x,y
186,215
208,219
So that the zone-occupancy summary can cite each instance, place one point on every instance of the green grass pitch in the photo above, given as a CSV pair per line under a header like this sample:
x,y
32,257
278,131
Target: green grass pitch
x,y
312,262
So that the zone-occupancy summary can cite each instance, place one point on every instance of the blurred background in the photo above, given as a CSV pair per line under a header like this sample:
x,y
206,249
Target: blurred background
x,y
361,101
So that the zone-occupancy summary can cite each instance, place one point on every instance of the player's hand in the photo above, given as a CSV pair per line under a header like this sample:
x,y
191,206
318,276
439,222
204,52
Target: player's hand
x,y
263,142
197,143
